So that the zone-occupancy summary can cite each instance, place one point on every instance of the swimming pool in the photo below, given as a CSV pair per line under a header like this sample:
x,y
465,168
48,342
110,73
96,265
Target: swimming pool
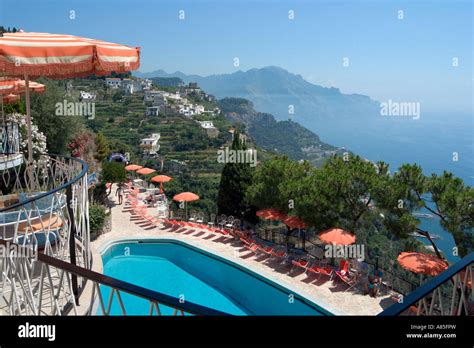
x,y
183,271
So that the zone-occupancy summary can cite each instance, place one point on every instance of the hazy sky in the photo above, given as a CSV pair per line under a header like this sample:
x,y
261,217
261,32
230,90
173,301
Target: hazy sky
x,y
407,59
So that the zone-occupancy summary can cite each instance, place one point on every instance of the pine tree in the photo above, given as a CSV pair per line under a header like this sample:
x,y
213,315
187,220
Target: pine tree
x,y
103,148
235,179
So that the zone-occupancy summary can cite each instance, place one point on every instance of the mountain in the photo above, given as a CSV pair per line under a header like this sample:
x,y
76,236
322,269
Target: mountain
x,y
284,137
326,111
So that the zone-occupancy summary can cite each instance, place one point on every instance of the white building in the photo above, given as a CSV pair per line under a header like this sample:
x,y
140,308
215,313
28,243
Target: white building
x,y
152,111
146,84
150,146
206,124
113,82
159,100
151,94
128,86
174,96
198,109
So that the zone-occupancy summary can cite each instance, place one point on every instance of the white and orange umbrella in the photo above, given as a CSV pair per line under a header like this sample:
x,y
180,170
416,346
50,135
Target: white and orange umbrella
x,y
9,98
17,86
61,56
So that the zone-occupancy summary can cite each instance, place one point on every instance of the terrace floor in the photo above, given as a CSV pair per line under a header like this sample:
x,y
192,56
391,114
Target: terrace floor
x,y
329,295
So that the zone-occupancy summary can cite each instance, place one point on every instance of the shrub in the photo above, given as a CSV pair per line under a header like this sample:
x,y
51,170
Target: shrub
x,y
97,216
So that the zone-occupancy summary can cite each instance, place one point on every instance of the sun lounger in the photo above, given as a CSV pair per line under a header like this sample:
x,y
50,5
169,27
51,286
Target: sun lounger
x,y
266,249
321,270
279,254
300,263
350,279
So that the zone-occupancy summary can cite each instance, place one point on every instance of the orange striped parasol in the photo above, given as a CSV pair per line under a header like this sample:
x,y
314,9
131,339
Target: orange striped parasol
x,y
60,56
17,86
10,98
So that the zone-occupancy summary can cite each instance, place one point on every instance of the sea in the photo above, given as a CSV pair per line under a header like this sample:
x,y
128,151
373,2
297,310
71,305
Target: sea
x,y
436,141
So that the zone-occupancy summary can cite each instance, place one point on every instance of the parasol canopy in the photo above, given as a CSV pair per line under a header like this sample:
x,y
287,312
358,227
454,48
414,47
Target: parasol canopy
x,y
421,263
337,236
145,171
186,197
271,214
161,179
10,98
133,167
17,86
59,56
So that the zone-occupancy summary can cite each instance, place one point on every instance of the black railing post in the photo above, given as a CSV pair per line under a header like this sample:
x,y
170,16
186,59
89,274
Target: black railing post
x,y
72,241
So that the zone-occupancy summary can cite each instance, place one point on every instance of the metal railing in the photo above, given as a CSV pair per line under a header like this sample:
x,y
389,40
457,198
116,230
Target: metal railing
x,y
449,293
43,285
391,279
44,206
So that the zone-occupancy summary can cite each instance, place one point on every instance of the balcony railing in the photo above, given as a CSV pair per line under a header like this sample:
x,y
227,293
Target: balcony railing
x,y
45,258
44,207
44,286
9,139
449,293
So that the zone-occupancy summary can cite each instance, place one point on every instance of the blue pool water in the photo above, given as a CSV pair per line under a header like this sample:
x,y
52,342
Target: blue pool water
x,y
182,271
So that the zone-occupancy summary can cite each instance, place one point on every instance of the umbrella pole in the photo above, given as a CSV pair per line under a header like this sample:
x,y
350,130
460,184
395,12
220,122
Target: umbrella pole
x,y
28,125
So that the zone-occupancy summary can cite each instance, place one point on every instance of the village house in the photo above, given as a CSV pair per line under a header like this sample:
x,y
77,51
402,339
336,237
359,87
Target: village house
x,y
113,82
151,94
152,111
174,96
150,146
208,126
159,100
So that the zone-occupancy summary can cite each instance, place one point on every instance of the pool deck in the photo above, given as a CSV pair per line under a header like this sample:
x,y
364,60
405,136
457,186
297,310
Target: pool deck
x,y
331,296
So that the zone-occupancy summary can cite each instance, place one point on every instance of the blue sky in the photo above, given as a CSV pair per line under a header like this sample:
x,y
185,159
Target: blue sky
x,y
405,60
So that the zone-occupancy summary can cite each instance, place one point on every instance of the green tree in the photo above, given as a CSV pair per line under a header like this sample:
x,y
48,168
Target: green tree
x,y
58,129
103,148
275,185
235,179
340,193
113,172
445,196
